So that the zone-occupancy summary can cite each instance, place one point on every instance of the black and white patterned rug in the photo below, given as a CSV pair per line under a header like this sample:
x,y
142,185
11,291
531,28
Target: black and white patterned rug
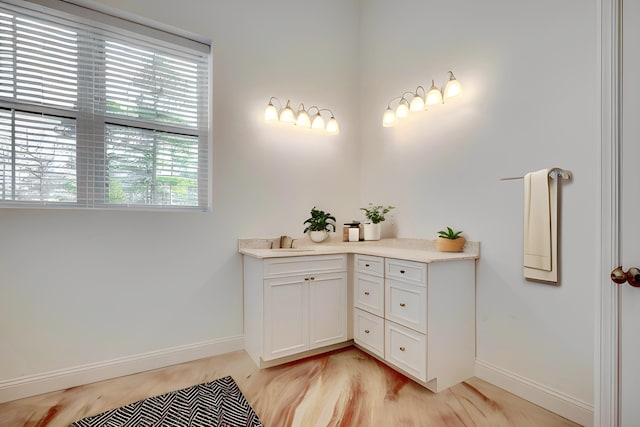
x,y
217,403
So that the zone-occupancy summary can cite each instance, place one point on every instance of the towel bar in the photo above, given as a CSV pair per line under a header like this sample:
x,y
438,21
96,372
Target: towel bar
x,y
553,173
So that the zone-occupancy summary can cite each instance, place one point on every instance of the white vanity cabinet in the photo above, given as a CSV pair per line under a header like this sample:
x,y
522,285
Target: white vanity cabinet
x,y
293,305
368,301
418,318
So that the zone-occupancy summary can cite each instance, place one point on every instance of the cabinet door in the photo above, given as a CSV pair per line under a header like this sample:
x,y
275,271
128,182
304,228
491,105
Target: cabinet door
x,y
286,324
327,309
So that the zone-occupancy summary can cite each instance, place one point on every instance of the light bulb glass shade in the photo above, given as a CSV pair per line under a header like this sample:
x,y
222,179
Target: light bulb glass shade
x,y
452,88
417,103
434,96
318,122
388,118
403,109
270,113
303,119
332,126
287,115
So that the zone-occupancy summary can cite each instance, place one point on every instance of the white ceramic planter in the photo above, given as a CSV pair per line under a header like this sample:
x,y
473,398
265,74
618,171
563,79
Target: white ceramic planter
x,y
372,231
318,236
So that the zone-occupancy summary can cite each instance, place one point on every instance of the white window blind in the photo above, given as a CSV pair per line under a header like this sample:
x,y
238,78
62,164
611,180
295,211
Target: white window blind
x,y
94,115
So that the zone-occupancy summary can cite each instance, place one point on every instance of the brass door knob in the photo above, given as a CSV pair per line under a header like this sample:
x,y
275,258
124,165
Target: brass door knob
x,y
631,276
618,275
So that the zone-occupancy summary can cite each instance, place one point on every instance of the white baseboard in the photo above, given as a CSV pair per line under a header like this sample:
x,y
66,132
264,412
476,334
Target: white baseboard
x,y
70,377
546,397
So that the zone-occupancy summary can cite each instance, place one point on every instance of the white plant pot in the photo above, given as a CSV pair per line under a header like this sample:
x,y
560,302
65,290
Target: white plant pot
x,y
372,231
318,236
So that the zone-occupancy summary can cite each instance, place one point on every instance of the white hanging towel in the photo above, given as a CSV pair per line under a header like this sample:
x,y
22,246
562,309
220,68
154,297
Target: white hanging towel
x,y
540,227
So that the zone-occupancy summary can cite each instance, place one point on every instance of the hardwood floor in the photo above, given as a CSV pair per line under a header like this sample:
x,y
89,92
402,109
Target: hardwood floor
x,y
342,388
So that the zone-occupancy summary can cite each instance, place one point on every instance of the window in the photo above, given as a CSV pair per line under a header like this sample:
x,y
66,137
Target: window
x,y
97,114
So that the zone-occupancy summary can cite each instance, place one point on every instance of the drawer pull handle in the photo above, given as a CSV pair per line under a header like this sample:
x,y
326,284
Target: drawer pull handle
x,y
367,293
366,331
402,304
402,349
366,265
312,278
306,279
401,271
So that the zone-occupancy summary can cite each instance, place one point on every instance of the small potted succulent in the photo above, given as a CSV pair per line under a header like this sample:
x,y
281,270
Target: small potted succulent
x,y
375,215
319,225
450,241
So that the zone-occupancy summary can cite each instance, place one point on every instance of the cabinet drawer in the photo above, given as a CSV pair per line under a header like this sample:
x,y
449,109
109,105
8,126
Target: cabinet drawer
x,y
368,293
406,349
414,272
289,266
368,331
369,264
406,304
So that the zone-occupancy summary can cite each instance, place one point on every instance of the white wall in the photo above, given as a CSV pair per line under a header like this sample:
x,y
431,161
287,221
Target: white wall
x,y
80,287
86,286
529,72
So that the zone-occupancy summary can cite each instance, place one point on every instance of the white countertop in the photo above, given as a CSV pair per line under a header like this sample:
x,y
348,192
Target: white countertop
x,y
420,250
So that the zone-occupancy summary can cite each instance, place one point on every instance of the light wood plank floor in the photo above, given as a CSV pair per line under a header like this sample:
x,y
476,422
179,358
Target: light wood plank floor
x,y
342,388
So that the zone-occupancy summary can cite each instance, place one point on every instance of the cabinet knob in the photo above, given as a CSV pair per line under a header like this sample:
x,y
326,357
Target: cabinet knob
x,y
402,349
401,271
366,265
367,293
402,304
366,331
312,278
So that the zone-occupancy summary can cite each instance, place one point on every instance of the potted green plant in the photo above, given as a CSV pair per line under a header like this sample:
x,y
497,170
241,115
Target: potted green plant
x,y
375,215
319,225
450,240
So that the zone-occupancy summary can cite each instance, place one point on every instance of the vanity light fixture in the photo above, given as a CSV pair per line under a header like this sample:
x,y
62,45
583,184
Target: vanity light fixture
x,y
452,87
302,118
417,102
389,117
318,121
287,115
433,96
332,126
403,108
270,113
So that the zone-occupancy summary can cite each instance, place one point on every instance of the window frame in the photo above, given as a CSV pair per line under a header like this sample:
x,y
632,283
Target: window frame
x,y
139,30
